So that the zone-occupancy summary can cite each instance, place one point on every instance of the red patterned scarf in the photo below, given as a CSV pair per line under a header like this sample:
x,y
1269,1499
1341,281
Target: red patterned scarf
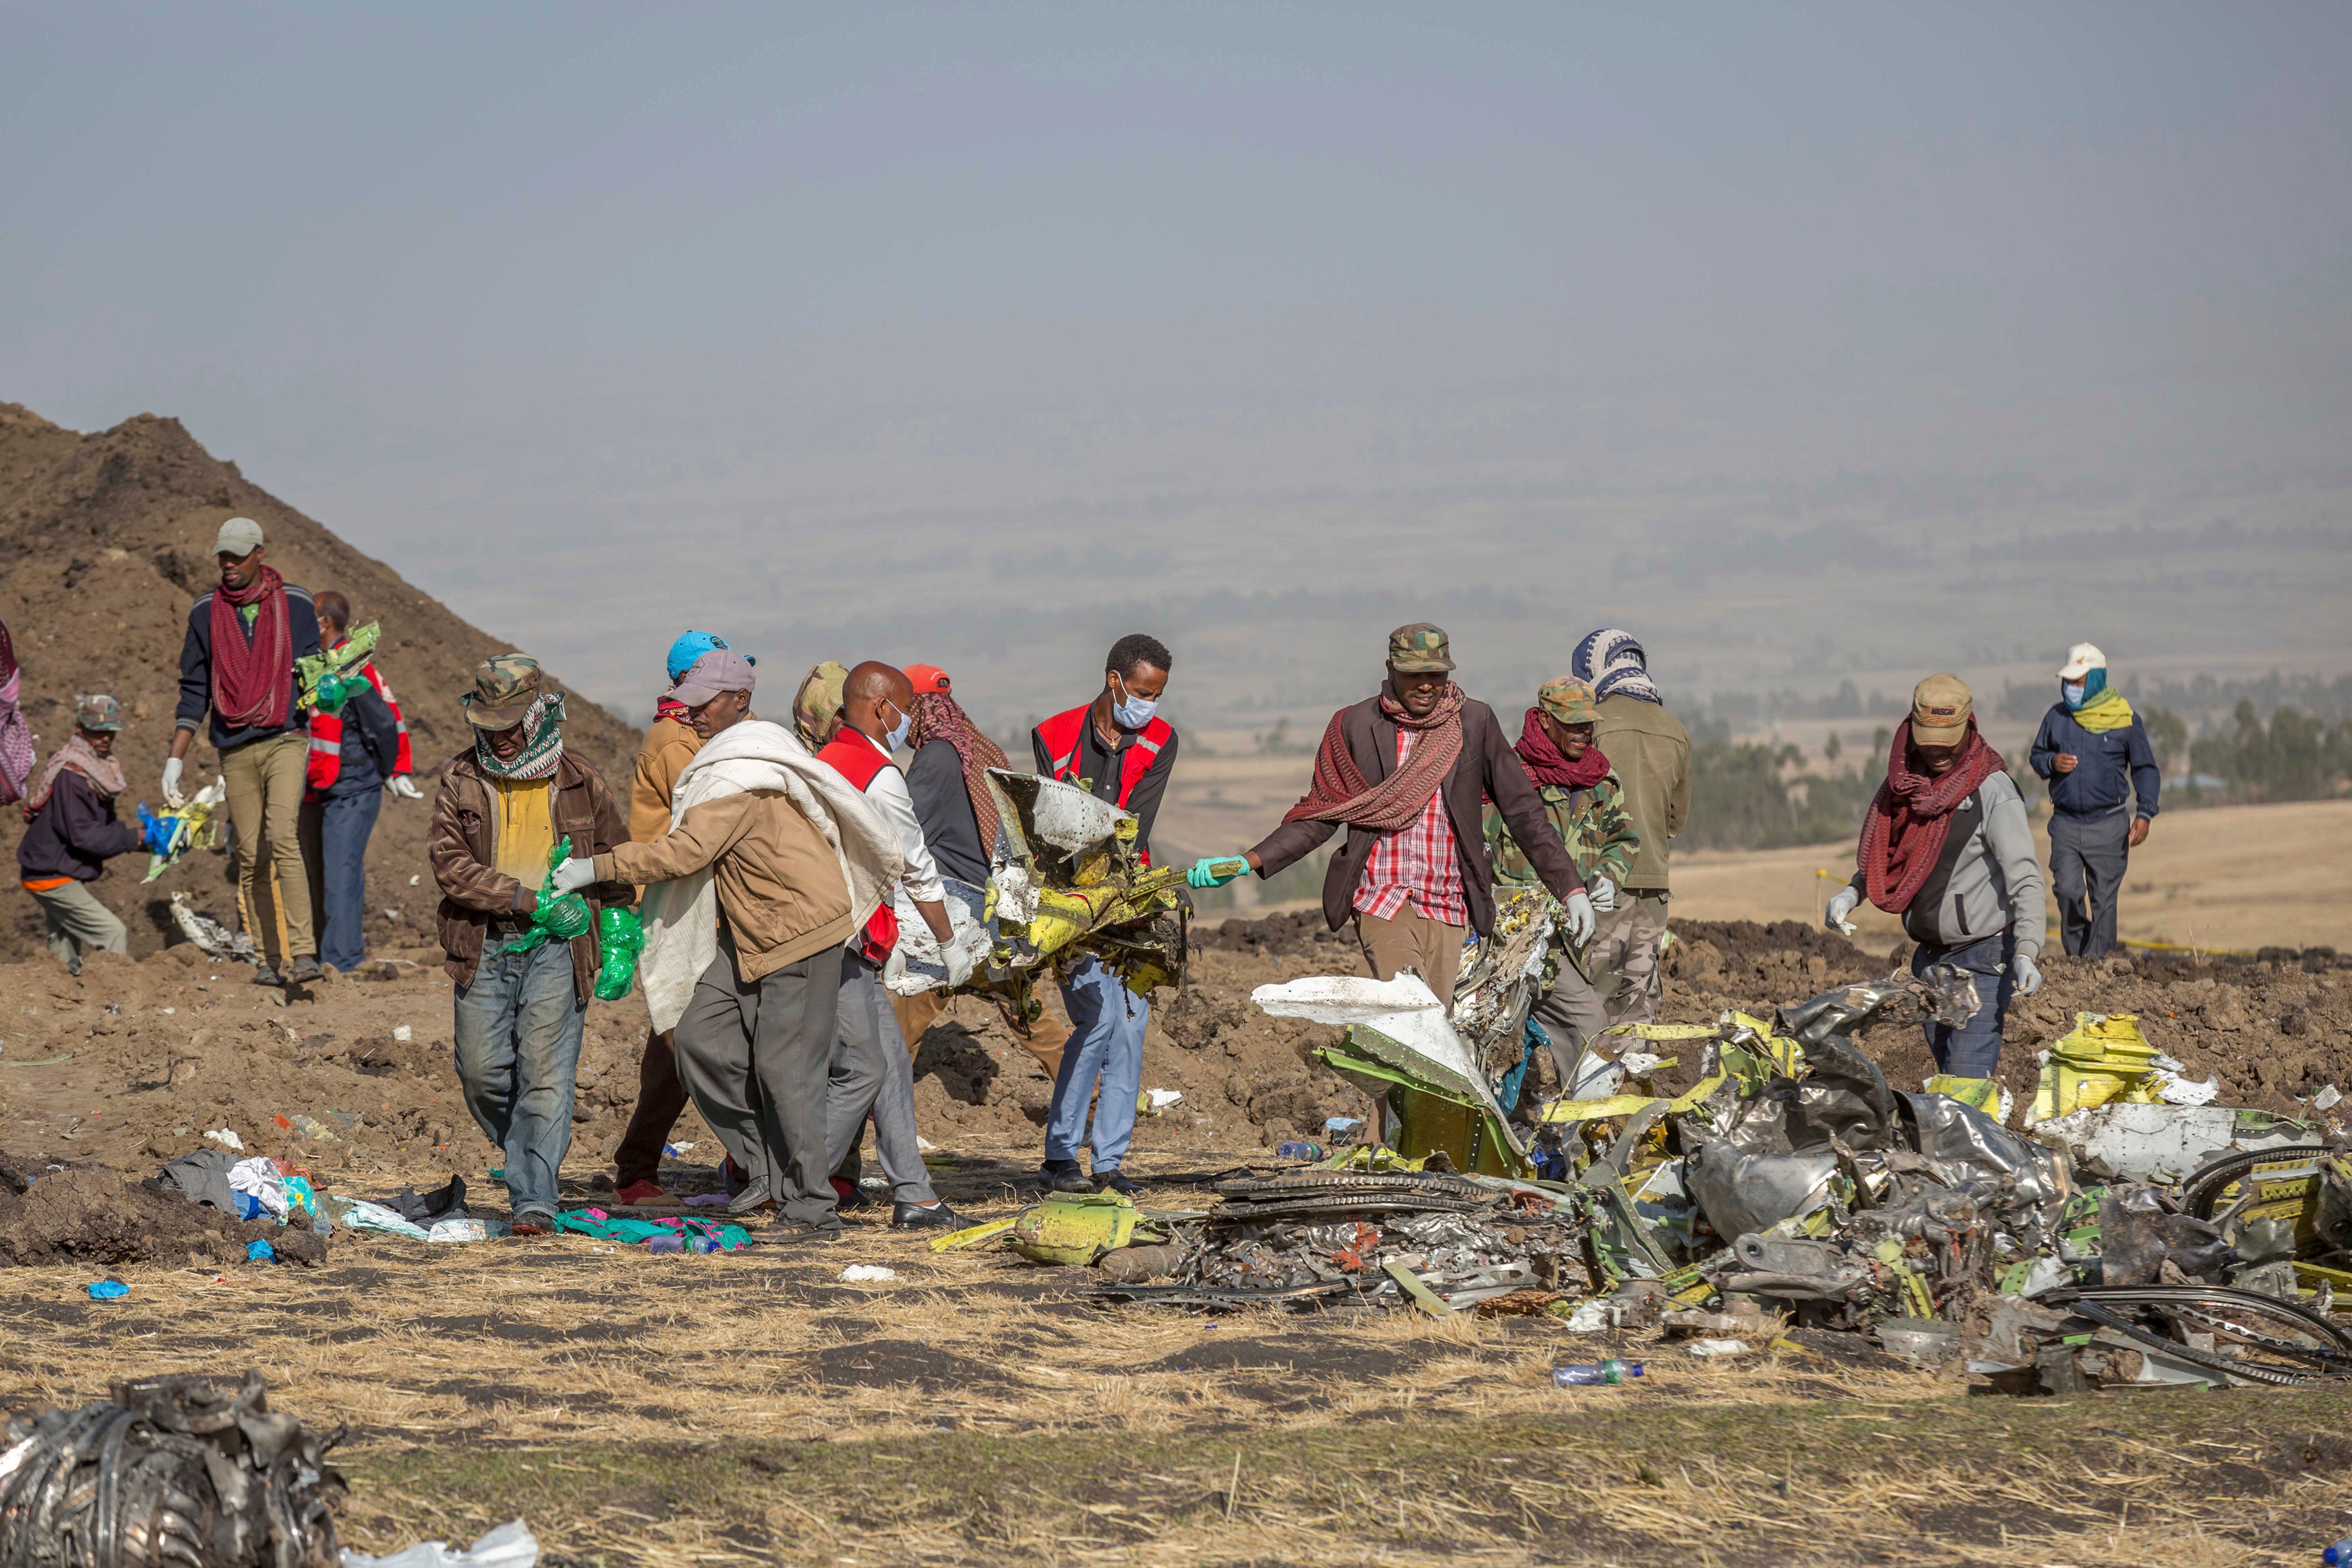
x,y
939,717
253,678
1902,834
1340,793
1545,764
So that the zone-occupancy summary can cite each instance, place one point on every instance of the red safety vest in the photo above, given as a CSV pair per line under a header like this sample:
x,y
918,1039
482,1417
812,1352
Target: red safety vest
x,y
860,761
1065,733
326,760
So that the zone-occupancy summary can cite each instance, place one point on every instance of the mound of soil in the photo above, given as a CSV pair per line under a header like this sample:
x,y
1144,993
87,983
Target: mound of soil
x,y
102,550
95,1216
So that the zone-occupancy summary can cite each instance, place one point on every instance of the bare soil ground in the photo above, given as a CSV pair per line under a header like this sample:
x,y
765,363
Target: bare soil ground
x,y
754,1408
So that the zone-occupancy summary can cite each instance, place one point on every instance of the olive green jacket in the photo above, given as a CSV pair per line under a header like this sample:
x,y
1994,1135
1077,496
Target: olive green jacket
x,y
1593,823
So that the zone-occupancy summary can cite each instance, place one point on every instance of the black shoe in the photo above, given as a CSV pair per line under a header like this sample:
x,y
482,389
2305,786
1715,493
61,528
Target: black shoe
x,y
263,974
534,1222
914,1217
792,1230
1069,1178
750,1200
1115,1180
304,972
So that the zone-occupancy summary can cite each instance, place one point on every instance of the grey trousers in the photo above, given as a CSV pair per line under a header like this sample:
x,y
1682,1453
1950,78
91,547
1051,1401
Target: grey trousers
x,y
872,1072
1574,1013
2087,856
776,1033
1628,944
79,924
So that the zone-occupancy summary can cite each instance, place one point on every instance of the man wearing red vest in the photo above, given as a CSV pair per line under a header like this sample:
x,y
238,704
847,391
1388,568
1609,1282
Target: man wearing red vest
x,y
873,1073
1118,749
359,751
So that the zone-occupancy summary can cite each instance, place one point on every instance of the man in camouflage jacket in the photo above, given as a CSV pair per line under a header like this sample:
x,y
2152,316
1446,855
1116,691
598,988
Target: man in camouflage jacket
x,y
1586,806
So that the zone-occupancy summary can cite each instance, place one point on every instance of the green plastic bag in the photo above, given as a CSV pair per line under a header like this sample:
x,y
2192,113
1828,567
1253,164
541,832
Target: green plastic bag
x,y
619,937
556,919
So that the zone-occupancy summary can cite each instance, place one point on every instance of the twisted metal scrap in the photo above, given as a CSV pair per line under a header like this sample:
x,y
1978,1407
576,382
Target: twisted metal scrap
x,y
172,1472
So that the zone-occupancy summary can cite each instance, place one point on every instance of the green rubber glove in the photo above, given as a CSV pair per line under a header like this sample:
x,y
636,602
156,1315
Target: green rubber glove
x,y
620,935
1216,871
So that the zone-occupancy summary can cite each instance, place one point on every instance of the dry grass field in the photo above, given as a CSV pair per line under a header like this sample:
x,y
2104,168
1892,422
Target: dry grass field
x,y
2231,877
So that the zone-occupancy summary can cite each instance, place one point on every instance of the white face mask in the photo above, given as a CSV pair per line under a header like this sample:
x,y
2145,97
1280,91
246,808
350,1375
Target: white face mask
x,y
897,736
2073,692
1131,712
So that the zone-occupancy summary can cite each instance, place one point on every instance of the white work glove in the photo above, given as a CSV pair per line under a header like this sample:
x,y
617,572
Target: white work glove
x,y
1841,906
575,874
172,796
1579,913
2026,973
1605,894
958,958
405,787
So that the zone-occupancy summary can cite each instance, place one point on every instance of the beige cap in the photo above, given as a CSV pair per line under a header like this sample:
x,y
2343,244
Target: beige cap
x,y
1940,707
2081,660
238,537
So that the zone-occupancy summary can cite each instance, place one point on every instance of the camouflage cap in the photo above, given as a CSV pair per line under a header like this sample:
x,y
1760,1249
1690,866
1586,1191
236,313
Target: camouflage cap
x,y
816,707
98,713
1940,707
504,688
1569,700
1419,648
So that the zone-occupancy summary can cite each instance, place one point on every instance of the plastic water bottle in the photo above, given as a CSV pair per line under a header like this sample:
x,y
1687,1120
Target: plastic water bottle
x,y
1595,1373
2339,1555
1297,1151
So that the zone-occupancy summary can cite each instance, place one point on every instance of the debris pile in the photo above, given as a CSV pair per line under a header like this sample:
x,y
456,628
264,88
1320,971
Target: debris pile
x,y
172,1471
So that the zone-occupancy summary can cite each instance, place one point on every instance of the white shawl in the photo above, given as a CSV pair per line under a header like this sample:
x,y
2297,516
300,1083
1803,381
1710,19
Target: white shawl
x,y
681,917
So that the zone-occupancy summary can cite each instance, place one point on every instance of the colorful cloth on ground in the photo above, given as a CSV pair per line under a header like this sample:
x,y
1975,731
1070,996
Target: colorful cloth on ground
x,y
1340,793
1419,861
543,746
1545,764
2103,711
253,658
939,717
104,773
1613,662
677,1235
526,827
1904,832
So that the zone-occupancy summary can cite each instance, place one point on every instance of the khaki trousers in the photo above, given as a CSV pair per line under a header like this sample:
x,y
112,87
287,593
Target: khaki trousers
x,y
78,923
915,1014
1412,940
265,806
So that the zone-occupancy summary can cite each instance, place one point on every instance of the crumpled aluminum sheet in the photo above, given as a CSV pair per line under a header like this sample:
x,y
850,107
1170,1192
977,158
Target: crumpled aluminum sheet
x,y
1964,1140
1740,1190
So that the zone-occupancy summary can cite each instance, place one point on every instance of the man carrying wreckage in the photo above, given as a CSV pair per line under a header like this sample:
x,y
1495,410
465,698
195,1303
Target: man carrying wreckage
x,y
236,665
670,743
359,753
1119,749
1406,771
504,805
1585,805
773,860
1945,845
873,1073
949,780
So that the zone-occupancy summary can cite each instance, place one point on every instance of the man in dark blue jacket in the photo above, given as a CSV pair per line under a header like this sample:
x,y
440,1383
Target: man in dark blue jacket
x,y
73,832
2095,752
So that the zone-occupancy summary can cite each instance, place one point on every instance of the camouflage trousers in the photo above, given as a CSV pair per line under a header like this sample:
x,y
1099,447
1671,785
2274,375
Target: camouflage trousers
x,y
1624,961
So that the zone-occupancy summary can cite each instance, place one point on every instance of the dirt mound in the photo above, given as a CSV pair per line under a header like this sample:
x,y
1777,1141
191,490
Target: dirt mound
x,y
103,549
94,1216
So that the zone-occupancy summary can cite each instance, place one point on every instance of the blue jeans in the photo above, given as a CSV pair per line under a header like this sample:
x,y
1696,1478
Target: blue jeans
x,y
1105,1043
335,835
1973,1048
518,1055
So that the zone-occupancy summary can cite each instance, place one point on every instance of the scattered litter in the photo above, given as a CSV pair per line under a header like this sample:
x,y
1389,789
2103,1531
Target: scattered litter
x,y
462,1228
224,1137
2327,1099
313,1129
1593,1316
402,1033
923,1146
868,1274
708,1200
510,1545
1596,1373
1712,1347
1152,1102
677,1151
107,1289
359,1214
260,1253
415,878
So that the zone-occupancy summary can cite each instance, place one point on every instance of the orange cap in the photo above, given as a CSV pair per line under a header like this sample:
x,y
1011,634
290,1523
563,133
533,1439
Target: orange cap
x,y
927,678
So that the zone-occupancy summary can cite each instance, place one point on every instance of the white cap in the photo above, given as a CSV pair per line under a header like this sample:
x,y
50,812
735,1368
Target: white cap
x,y
239,537
2081,660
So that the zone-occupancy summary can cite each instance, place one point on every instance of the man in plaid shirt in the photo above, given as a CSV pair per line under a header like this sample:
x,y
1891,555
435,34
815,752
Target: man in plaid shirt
x,y
1407,770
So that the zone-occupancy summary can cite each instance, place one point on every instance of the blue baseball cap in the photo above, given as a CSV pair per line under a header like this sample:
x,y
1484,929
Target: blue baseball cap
x,y
692,647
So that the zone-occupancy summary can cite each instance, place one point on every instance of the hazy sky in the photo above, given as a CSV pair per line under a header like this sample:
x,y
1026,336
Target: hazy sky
x,y
600,321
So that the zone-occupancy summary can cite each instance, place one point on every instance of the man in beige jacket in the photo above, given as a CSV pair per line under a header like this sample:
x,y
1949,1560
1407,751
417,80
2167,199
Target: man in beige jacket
x,y
1651,752
764,1010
